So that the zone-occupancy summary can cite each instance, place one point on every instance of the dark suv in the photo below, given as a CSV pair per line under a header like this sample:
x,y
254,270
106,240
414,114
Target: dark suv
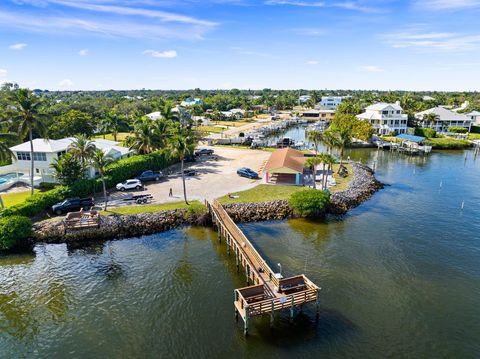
x,y
204,151
73,205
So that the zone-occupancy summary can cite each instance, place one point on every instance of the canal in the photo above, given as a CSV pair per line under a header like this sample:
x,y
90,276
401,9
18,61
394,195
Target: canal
x,y
400,277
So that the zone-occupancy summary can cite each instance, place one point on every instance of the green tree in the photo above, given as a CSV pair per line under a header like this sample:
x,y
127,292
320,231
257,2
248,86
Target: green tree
x,y
182,145
72,123
68,169
312,163
27,116
82,149
309,202
315,137
100,162
112,122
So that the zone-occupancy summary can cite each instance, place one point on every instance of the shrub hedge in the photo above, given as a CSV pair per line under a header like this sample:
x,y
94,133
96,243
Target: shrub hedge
x,y
454,129
309,202
117,172
13,229
425,132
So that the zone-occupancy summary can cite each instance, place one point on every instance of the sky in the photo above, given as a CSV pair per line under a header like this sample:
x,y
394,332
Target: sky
x,y
247,44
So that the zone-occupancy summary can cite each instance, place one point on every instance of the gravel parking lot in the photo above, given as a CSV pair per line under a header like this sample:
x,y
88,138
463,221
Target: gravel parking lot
x,y
216,176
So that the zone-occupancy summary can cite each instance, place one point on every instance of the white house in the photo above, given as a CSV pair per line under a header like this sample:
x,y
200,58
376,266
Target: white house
x,y
444,119
474,116
154,115
386,118
234,114
190,102
330,102
46,151
304,98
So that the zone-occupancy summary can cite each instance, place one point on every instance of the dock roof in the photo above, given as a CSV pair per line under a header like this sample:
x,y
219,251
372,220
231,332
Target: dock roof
x,y
412,138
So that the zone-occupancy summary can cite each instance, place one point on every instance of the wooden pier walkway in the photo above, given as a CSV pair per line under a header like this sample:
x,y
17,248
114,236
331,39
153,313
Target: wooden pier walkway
x,y
269,291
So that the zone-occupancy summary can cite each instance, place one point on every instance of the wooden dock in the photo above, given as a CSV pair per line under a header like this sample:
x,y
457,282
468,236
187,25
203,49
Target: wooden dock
x,y
269,292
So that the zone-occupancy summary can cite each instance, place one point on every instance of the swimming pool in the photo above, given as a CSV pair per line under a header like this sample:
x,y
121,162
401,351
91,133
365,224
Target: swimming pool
x,y
8,177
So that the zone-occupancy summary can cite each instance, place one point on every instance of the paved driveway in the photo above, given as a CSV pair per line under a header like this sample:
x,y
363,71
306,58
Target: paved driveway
x,y
215,177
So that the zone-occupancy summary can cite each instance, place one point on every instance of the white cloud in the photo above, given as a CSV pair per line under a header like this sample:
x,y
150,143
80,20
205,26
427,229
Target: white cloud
x,y
83,52
65,83
105,27
424,41
3,73
19,46
307,31
347,5
312,62
448,4
168,54
371,68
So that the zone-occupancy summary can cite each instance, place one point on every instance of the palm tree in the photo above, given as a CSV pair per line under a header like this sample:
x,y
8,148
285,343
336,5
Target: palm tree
x,y
26,114
315,137
68,169
100,162
5,139
312,163
343,139
83,149
113,122
181,146
430,118
329,139
327,161
167,112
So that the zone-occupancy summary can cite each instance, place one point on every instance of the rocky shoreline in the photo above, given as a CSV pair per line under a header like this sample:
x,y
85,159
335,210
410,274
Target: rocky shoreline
x,y
361,188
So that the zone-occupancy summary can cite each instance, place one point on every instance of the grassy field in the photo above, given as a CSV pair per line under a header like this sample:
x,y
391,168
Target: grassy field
x,y
445,143
261,193
149,208
474,136
121,136
342,183
232,123
212,129
13,198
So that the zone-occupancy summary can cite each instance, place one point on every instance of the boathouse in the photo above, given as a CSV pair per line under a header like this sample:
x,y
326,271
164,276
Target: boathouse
x,y
286,166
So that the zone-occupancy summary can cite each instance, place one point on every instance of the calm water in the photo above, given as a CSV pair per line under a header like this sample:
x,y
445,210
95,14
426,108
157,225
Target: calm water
x,y
400,277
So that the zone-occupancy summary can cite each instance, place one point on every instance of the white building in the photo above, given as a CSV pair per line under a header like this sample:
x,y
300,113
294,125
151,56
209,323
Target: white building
x,y
386,118
304,98
46,151
234,114
474,116
330,102
444,119
190,102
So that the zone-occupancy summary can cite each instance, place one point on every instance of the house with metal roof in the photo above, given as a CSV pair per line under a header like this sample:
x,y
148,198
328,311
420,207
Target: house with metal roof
x,y
46,151
286,166
386,118
474,116
443,119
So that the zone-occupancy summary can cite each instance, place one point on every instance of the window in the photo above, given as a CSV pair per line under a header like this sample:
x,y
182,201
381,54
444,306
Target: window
x,y
385,112
23,156
39,156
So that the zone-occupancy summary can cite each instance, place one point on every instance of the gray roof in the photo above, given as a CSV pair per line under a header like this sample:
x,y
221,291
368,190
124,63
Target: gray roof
x,y
473,113
382,105
443,114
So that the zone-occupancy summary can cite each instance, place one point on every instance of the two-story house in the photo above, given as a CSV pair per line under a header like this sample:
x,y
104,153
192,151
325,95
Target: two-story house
x,y
444,119
46,151
386,118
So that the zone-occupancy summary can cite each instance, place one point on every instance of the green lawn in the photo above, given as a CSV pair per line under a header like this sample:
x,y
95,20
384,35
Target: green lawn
x,y
212,129
474,136
195,206
445,143
121,136
342,183
13,198
261,193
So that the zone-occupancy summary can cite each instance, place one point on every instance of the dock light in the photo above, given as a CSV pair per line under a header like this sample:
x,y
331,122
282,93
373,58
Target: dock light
x,y
280,267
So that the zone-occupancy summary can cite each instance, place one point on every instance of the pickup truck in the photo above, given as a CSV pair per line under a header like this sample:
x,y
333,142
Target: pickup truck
x,y
73,205
150,176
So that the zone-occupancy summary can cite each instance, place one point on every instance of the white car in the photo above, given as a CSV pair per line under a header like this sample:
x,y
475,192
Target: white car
x,y
130,184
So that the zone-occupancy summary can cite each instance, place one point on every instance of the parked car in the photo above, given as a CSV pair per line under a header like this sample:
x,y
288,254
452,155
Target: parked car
x,y
204,151
190,158
130,184
150,176
73,205
247,172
